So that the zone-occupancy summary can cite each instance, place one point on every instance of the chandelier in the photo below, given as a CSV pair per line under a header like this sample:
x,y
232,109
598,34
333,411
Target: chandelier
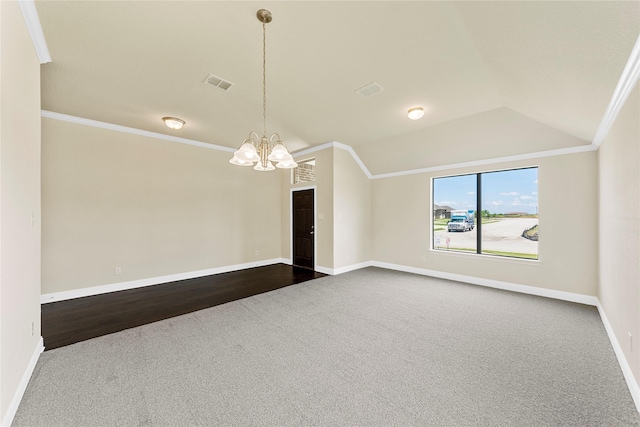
x,y
263,151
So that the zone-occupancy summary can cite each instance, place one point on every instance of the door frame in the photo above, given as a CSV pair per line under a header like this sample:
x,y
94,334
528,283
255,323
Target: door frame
x,y
315,226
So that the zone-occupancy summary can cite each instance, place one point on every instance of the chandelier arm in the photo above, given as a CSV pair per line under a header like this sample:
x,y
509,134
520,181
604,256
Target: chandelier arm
x,y
251,135
276,136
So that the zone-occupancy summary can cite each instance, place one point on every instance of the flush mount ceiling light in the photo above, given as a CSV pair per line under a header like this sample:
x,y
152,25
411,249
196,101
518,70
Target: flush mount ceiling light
x,y
263,151
416,113
173,123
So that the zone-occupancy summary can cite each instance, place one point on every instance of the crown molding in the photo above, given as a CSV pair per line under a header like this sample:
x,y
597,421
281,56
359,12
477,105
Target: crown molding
x,y
30,14
527,156
332,144
314,149
335,144
627,81
134,131
355,157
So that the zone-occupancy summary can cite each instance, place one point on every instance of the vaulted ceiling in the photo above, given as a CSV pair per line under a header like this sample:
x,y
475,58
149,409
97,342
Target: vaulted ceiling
x,y
495,78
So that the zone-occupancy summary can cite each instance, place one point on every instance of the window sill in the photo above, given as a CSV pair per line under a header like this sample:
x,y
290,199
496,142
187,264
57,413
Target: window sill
x,y
498,258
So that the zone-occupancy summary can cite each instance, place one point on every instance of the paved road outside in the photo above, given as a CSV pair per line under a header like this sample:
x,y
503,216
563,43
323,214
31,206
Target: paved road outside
x,y
504,235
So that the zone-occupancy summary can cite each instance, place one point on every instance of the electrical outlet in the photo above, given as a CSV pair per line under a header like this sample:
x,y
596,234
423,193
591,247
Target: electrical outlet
x,y
32,329
33,219
257,252
630,342
117,270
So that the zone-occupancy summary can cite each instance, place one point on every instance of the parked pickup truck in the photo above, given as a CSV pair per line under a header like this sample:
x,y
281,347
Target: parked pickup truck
x,y
461,221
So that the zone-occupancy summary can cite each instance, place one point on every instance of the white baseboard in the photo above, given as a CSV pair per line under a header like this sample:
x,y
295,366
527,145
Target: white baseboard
x,y
346,269
624,365
507,286
352,267
22,387
113,287
325,270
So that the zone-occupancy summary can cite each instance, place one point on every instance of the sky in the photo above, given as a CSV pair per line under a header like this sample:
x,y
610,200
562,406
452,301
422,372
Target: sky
x,y
502,192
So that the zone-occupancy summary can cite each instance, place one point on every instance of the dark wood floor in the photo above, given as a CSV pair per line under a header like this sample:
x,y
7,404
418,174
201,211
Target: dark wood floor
x,y
71,321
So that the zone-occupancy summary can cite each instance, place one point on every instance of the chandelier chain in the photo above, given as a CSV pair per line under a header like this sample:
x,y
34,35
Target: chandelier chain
x,y
264,80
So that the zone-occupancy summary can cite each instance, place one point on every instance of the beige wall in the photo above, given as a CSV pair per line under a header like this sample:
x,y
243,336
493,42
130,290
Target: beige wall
x,y
352,211
150,206
19,199
343,210
619,209
324,208
567,248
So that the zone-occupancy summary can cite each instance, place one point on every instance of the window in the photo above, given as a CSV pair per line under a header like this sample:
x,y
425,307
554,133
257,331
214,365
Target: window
x,y
305,172
453,207
505,225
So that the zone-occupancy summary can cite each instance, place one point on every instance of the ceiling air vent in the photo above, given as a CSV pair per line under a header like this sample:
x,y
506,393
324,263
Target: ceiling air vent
x,y
218,82
370,89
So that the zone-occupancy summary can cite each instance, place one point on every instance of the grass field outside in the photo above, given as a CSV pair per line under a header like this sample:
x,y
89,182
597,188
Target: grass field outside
x,y
532,232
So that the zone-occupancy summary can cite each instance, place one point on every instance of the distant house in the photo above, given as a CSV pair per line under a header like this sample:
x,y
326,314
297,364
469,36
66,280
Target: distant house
x,y
441,212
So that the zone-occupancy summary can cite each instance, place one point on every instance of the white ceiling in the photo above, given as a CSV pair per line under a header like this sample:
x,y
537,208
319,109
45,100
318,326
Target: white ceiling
x,y
541,72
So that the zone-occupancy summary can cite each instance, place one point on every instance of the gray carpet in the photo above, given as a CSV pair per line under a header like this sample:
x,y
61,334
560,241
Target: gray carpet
x,y
367,348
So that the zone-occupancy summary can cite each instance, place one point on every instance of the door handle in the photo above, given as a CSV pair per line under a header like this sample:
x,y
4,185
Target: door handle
x,y
311,232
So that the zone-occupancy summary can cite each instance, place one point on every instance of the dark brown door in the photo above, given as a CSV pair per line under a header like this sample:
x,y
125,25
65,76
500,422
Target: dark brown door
x,y
303,232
